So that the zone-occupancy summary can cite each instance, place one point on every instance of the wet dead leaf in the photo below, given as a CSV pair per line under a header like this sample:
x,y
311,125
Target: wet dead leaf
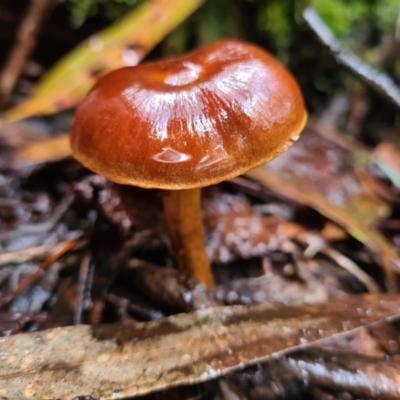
x,y
234,230
320,175
130,208
47,150
172,290
322,164
117,361
272,287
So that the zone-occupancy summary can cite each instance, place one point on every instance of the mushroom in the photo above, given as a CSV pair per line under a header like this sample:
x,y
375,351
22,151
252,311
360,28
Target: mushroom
x,y
185,123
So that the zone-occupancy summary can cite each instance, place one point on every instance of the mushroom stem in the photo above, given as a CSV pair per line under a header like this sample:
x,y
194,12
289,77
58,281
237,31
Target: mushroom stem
x,y
185,228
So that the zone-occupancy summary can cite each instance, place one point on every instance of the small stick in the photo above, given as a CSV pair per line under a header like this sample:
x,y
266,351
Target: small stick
x,y
80,295
317,244
27,254
379,81
351,267
26,40
60,251
41,227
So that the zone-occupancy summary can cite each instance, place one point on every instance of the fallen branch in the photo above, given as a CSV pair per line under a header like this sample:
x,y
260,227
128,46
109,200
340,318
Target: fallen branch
x,y
26,40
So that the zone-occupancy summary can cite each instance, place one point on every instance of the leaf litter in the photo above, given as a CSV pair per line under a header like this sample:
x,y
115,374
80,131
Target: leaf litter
x,y
291,249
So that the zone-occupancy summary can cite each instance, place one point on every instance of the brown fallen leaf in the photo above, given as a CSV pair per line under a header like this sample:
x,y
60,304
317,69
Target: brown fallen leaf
x,y
322,175
50,149
172,290
118,361
233,230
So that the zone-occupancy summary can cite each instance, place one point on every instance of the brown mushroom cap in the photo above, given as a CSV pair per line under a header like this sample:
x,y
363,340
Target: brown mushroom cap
x,y
191,121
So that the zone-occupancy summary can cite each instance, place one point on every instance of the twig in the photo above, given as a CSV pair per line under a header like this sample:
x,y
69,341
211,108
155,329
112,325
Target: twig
x,y
5,202
26,40
41,227
351,267
379,81
60,251
28,254
82,283
316,244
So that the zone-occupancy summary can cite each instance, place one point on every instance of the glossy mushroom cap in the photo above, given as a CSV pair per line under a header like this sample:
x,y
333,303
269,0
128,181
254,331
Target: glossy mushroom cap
x,y
191,121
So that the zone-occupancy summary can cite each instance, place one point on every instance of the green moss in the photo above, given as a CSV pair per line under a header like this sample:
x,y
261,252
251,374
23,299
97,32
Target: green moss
x,y
217,19
274,19
386,12
340,15
343,15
